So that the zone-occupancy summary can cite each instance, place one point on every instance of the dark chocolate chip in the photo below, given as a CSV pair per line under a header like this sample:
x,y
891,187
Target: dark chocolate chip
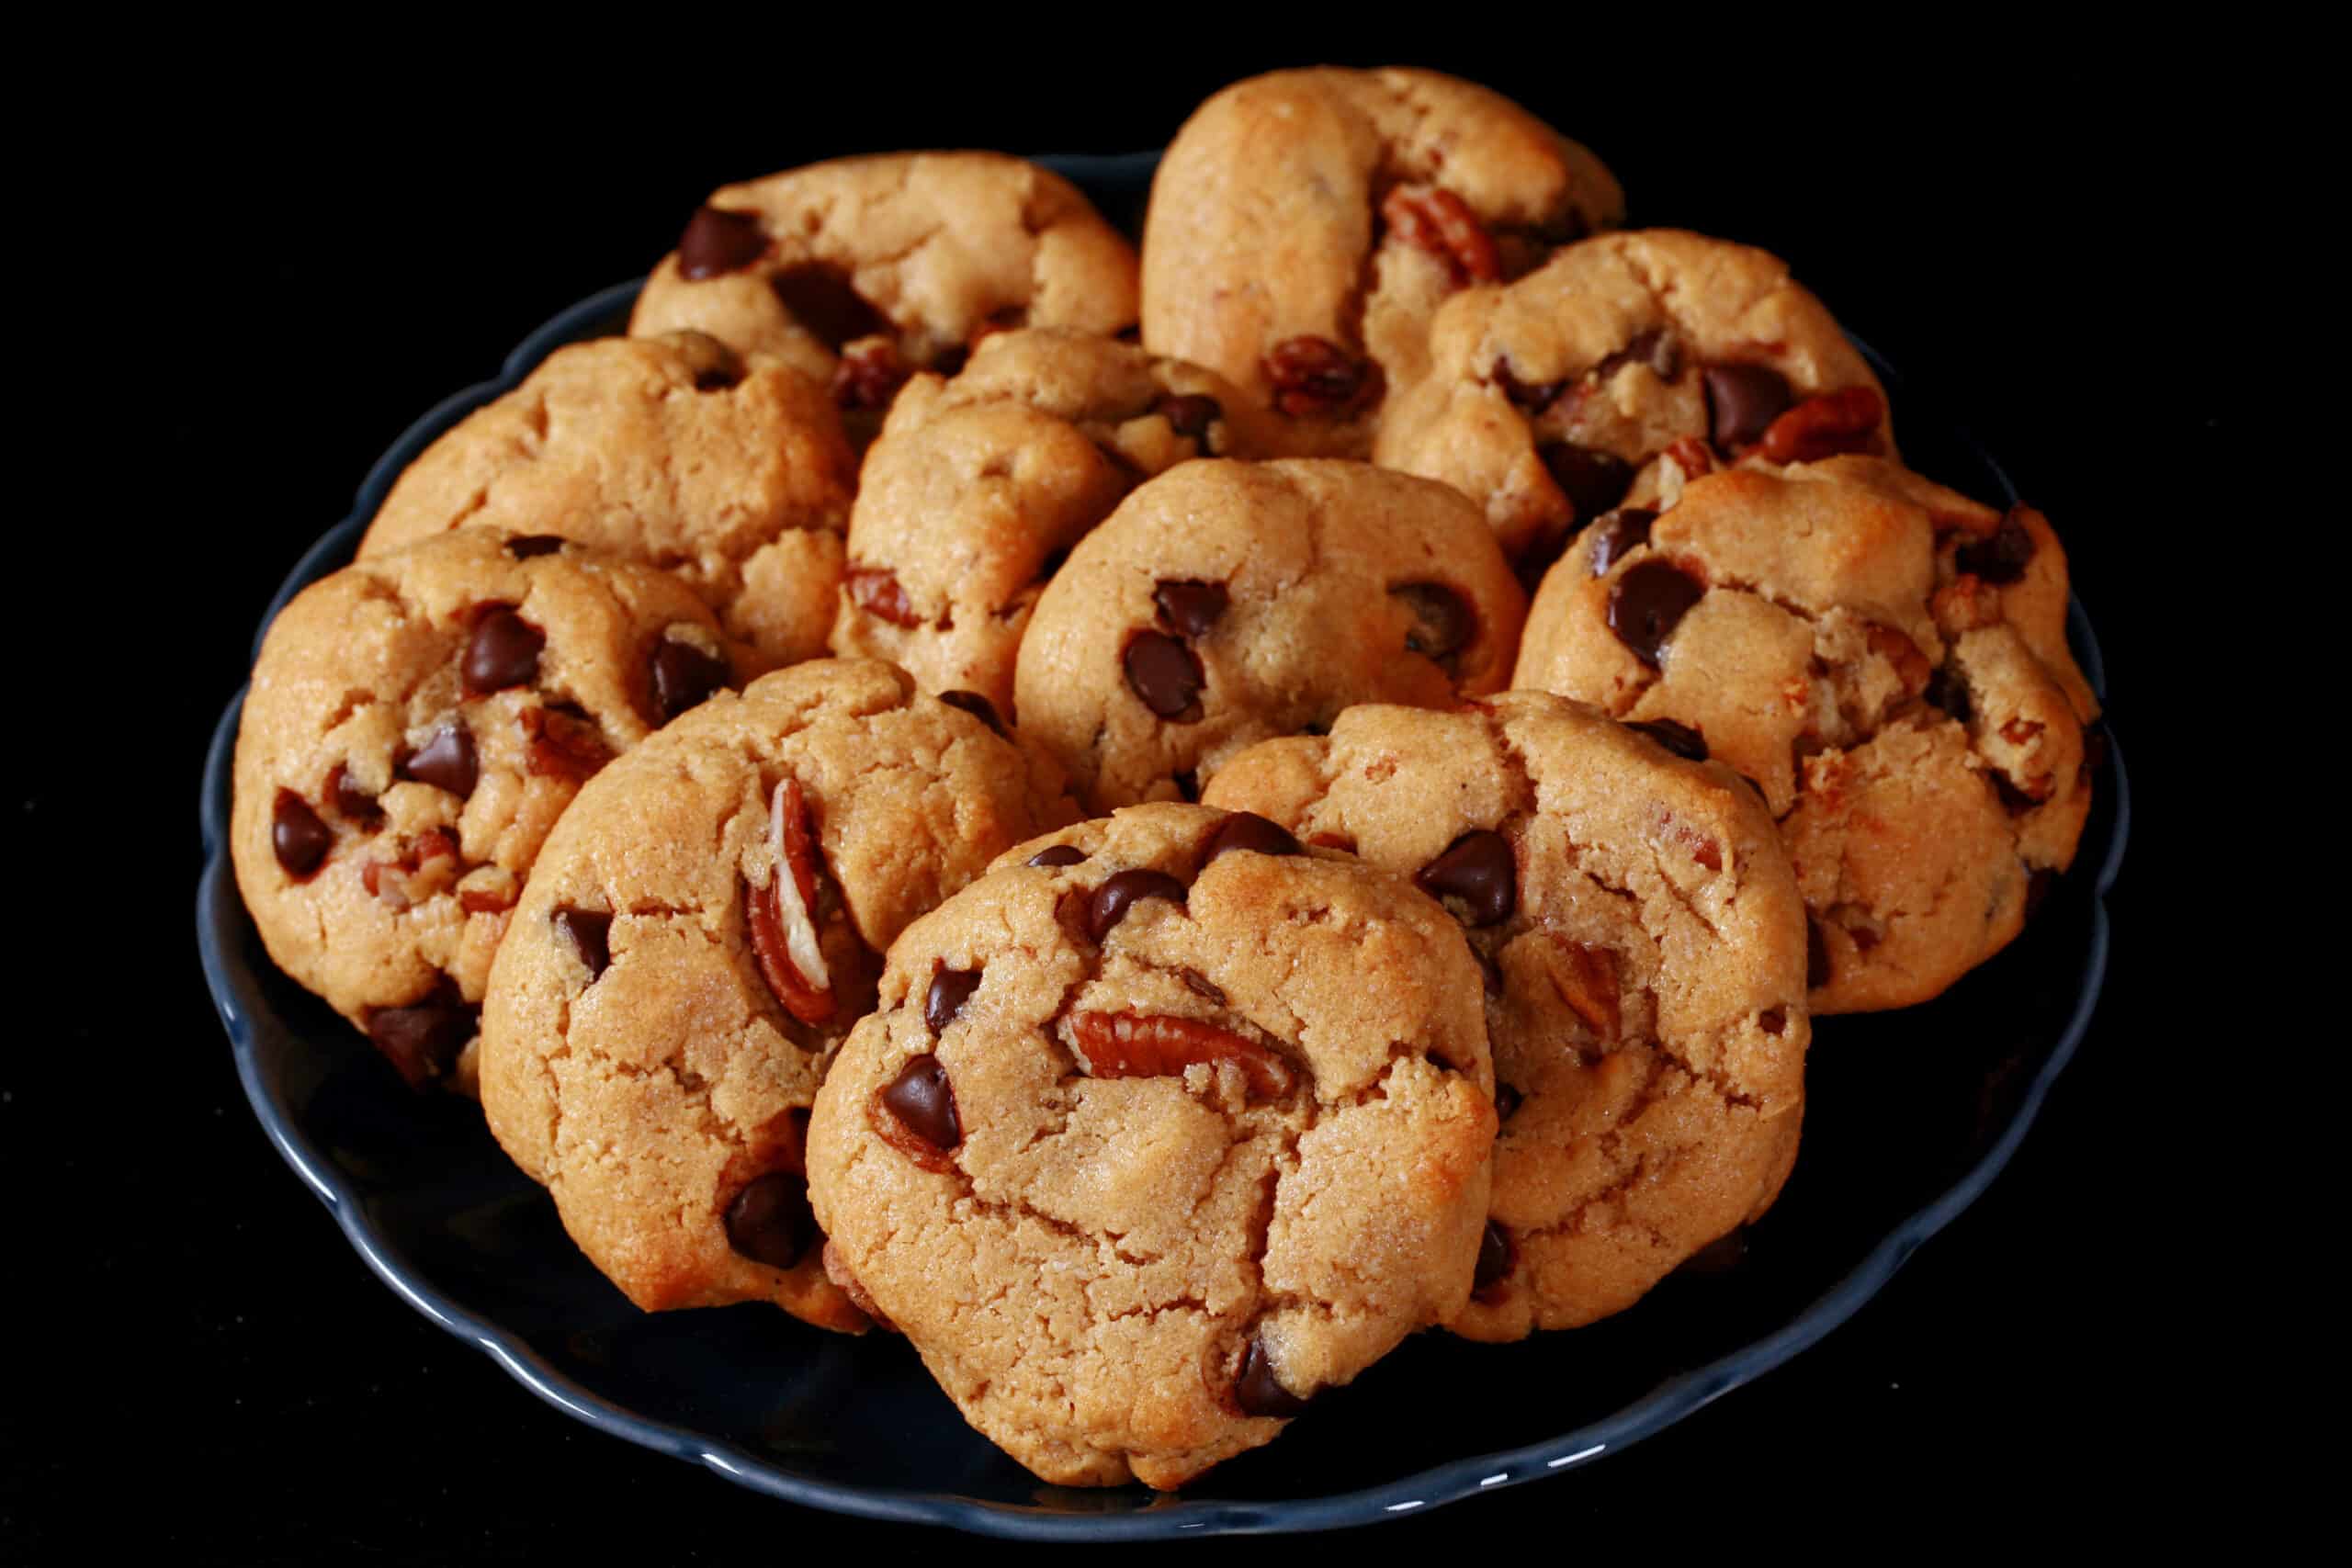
x,y
355,802
1678,738
723,374
1506,1101
1743,400
1948,690
1479,869
822,300
529,547
1189,607
1058,854
978,706
1656,347
1248,831
1648,603
1533,396
1772,1020
590,932
297,836
1817,955
1617,533
1257,1392
502,651
950,361
1718,1257
1191,415
685,677
1165,676
1123,891
2001,558
446,762
717,242
1201,985
770,1221
1443,622
1188,784
423,1038
1496,1256
950,989
924,1102
1593,480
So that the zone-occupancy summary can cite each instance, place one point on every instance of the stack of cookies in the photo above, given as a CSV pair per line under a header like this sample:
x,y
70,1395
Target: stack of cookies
x,y
1159,824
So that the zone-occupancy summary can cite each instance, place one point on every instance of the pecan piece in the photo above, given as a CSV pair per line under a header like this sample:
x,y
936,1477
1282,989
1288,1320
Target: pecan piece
x,y
1132,1045
1911,665
1822,427
1441,223
877,592
784,928
1586,979
869,374
561,744
1314,376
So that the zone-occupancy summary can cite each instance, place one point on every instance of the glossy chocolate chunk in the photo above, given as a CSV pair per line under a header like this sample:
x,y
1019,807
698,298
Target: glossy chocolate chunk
x,y
1648,603
924,1102
1191,415
1678,738
1256,1389
1621,531
1190,608
1592,480
423,1039
1443,622
590,933
502,651
1122,892
822,300
1479,869
950,989
1165,676
1743,400
770,1221
717,242
1248,831
297,836
530,546
446,762
978,706
1058,854
1496,1256
685,677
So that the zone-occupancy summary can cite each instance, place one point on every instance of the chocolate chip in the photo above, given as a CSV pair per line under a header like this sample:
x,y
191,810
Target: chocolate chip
x,y
1496,1256
978,706
1678,738
1593,480
423,1038
530,546
1618,533
1656,347
717,242
770,1221
1743,400
503,651
1817,955
2001,558
1648,603
1165,676
1058,854
1191,415
822,300
950,989
1772,1020
724,374
924,1102
1479,869
355,802
1443,622
1256,1389
1201,985
1248,831
685,677
1191,607
1948,690
2014,801
1718,1257
1533,396
590,933
950,361
1188,784
446,762
297,836
1123,891
1506,1101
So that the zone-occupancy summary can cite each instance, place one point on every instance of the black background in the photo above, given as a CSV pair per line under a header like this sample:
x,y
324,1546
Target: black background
x,y
301,264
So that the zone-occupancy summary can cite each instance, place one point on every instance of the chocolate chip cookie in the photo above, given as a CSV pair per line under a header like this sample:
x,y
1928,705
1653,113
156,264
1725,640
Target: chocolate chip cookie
x,y
1643,950
1304,226
1624,366
980,485
1134,1156
416,723
704,928
730,471
1225,603
862,270
1886,659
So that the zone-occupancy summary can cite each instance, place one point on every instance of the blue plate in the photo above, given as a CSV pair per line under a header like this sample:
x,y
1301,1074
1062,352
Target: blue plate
x,y
1910,1117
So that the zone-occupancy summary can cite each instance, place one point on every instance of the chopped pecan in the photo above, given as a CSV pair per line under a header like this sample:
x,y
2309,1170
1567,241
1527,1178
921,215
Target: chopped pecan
x,y
1441,223
869,374
1911,665
1586,979
561,744
400,881
1132,1045
784,928
1822,427
877,592
1690,454
1314,376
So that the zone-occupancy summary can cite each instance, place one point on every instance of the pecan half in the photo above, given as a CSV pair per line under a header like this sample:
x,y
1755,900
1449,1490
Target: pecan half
x,y
1441,223
783,930
1824,426
1313,377
1132,1045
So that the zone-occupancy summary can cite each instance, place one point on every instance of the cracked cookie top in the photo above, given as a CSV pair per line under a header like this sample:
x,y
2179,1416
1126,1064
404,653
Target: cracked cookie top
x,y
1224,603
416,723
980,486
675,451
1643,951
704,928
1304,225
1136,1159
862,270
1886,659
1623,368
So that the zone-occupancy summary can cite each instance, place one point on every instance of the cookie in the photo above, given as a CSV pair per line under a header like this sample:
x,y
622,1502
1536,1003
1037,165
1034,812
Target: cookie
x,y
1623,367
416,723
862,270
1134,1158
1304,226
704,928
1225,603
1886,659
980,485
1644,947
677,451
